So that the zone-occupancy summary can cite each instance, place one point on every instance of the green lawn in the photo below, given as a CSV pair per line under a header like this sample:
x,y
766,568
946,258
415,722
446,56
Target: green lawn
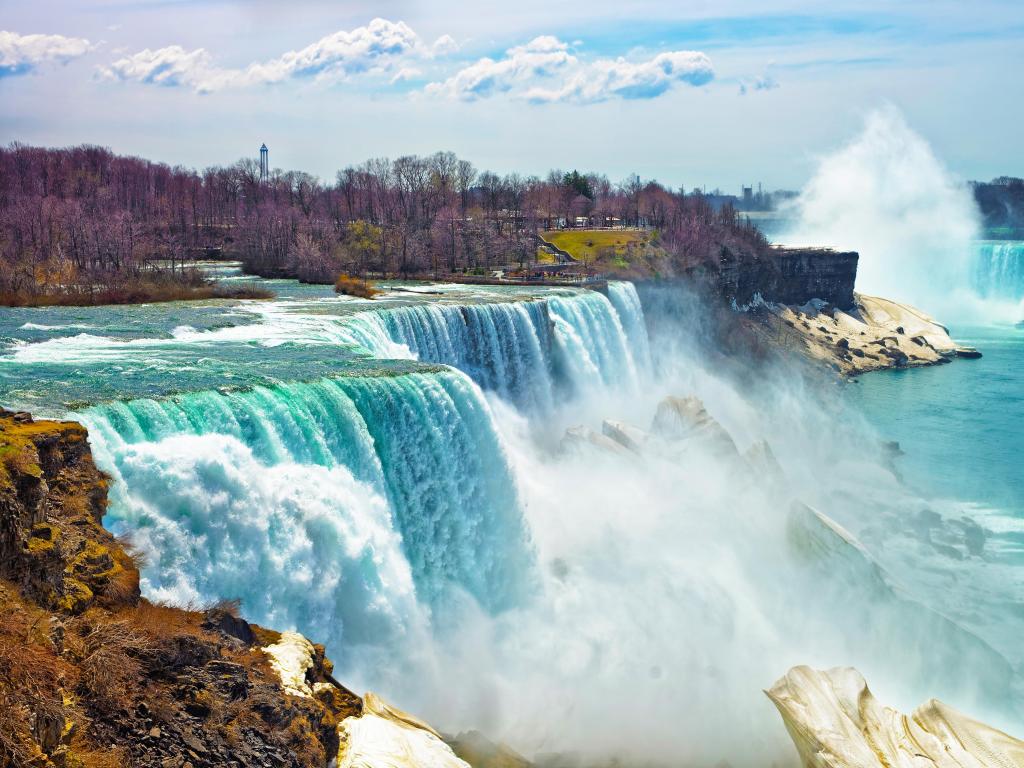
x,y
585,243
545,257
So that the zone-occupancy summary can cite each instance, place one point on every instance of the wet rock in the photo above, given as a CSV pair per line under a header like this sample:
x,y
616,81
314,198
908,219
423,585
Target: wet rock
x,y
227,623
686,419
583,438
628,436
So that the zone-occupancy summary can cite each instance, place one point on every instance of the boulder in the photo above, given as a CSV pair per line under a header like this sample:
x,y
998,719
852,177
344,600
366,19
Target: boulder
x,y
626,435
761,459
583,438
385,737
686,419
836,722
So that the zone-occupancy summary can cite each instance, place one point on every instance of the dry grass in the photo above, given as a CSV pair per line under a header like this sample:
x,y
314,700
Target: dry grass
x,y
32,678
112,655
354,286
142,292
164,622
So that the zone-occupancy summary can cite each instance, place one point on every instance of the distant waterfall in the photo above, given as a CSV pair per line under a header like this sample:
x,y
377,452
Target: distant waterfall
x,y
336,506
528,352
999,269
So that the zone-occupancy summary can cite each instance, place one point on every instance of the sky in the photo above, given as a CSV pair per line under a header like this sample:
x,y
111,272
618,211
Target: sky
x,y
691,93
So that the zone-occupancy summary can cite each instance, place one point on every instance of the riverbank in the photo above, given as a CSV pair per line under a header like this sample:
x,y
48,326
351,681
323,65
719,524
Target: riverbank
x,y
139,293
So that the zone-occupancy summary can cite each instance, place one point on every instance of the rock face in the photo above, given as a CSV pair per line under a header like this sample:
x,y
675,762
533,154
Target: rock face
x,y
790,276
685,419
91,674
843,567
836,722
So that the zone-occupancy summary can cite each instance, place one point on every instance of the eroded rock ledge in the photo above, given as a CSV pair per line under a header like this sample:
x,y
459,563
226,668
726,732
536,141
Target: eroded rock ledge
x,y
873,334
836,722
93,675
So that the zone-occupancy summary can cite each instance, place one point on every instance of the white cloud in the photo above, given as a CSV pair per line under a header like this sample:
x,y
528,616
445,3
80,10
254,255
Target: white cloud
x,y
380,47
444,45
23,53
170,66
544,70
542,57
406,73
606,78
376,47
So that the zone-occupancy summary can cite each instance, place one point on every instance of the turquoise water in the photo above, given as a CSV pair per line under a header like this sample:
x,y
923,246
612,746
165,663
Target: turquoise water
x,y
960,425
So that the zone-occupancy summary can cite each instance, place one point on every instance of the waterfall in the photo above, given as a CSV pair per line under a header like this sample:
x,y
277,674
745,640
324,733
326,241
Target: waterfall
x,y
358,500
999,269
624,298
528,352
337,506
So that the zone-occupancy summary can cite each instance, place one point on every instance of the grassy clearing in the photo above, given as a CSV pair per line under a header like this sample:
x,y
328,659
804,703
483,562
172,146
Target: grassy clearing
x,y
584,244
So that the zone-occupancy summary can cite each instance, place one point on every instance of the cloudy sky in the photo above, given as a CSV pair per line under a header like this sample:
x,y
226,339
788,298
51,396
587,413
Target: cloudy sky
x,y
689,92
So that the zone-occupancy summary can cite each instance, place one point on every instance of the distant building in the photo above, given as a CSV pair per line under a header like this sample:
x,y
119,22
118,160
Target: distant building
x,y
748,197
264,163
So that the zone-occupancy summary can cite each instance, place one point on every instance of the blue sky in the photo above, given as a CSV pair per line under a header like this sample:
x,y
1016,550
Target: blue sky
x,y
711,93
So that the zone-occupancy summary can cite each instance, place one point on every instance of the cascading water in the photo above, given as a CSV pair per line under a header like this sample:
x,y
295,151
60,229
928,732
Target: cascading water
x,y
528,352
412,460
999,269
351,507
618,604
504,347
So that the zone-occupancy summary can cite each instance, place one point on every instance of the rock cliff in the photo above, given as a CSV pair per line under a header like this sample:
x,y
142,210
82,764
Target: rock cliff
x,y
789,276
92,675
874,334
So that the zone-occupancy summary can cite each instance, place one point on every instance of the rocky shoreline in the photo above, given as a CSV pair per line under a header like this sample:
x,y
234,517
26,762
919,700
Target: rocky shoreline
x,y
873,334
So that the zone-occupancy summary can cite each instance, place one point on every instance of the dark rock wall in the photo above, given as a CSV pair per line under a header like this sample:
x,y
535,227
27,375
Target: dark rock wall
x,y
790,276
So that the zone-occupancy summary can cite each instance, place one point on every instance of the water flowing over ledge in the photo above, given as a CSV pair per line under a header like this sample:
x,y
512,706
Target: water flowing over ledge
x,y
999,269
349,505
334,505
528,352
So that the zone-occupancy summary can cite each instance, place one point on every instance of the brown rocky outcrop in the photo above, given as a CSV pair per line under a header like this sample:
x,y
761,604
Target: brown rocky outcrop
x,y
91,674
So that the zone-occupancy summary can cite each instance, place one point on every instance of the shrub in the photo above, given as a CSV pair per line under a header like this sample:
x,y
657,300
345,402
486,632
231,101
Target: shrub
x,y
354,286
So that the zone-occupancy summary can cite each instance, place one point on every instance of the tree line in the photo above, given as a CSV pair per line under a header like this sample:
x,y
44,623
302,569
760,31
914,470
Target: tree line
x,y
82,217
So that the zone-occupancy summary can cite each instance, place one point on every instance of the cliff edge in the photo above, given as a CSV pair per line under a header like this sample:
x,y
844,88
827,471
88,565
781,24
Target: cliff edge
x,y
92,675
